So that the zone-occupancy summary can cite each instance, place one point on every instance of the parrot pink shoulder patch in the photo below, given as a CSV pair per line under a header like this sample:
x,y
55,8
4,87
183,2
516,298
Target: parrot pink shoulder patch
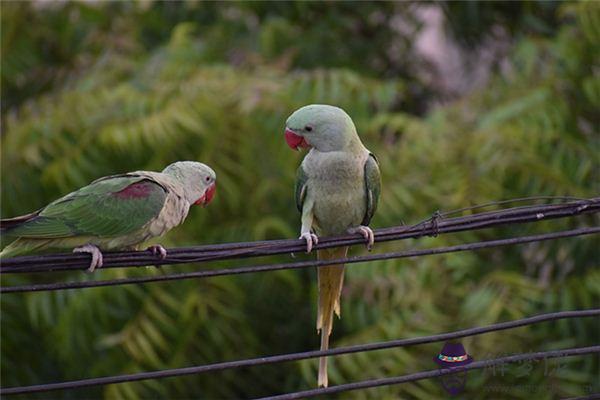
x,y
135,191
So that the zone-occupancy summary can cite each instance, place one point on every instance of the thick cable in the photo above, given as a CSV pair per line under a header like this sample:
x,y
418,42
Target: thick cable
x,y
197,254
300,356
300,264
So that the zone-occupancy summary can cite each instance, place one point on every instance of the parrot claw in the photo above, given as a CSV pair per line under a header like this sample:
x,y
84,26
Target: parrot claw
x,y
158,250
366,232
96,255
311,240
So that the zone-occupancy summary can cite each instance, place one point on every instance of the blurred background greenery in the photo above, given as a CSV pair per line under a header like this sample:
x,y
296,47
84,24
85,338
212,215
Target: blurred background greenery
x,y
463,103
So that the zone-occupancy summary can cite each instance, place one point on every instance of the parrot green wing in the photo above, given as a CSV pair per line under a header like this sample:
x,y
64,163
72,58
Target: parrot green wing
x,y
372,187
108,207
300,190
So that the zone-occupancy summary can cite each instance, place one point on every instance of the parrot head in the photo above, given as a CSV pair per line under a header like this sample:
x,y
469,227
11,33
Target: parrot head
x,y
324,127
199,180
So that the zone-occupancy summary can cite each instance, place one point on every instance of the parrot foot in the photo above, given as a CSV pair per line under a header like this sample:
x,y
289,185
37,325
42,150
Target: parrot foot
x,y
366,232
96,255
311,240
158,250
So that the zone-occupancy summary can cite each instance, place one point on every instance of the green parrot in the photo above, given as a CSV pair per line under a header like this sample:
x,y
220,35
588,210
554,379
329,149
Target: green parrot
x,y
337,190
114,213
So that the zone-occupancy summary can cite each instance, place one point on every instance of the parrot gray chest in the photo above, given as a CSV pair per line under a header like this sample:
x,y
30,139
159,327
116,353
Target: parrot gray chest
x,y
173,213
336,184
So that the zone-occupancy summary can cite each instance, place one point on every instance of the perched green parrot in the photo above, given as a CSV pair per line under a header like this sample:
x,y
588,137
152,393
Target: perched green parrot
x,y
114,213
337,190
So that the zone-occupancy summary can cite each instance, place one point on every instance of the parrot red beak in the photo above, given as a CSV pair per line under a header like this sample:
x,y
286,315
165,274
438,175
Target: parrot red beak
x,y
208,195
295,141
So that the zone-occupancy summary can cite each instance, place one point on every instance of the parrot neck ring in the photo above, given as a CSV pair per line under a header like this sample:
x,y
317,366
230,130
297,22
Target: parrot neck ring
x,y
294,140
208,195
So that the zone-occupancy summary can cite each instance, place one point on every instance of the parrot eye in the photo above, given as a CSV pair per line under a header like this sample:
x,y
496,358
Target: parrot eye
x,y
207,179
308,128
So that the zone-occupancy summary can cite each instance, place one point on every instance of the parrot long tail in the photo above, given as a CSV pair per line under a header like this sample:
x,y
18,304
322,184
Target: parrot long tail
x,y
9,223
331,279
23,246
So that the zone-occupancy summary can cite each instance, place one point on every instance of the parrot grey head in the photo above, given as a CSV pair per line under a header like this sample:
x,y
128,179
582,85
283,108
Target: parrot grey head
x,y
198,180
324,127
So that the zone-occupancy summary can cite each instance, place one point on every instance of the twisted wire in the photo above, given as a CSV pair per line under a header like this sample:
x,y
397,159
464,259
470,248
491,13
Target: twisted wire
x,y
298,265
197,254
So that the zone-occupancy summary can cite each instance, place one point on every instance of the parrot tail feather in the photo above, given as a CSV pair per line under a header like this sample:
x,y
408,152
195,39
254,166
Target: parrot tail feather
x,y
9,223
322,378
23,246
331,280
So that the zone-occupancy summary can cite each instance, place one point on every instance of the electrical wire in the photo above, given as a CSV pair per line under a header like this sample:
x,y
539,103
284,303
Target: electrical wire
x,y
433,226
436,373
300,264
300,356
437,224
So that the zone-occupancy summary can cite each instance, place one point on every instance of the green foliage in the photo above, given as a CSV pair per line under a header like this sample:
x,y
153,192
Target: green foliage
x,y
361,36
472,22
530,132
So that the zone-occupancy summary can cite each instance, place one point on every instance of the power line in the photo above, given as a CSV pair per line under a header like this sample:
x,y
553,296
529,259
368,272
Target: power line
x,y
430,227
438,223
300,264
510,201
435,373
299,356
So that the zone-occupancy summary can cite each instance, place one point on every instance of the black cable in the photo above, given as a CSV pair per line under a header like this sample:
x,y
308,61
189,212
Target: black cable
x,y
435,373
300,356
509,201
300,264
431,226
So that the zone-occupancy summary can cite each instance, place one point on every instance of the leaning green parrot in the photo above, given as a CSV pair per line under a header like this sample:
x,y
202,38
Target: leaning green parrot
x,y
337,190
114,213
